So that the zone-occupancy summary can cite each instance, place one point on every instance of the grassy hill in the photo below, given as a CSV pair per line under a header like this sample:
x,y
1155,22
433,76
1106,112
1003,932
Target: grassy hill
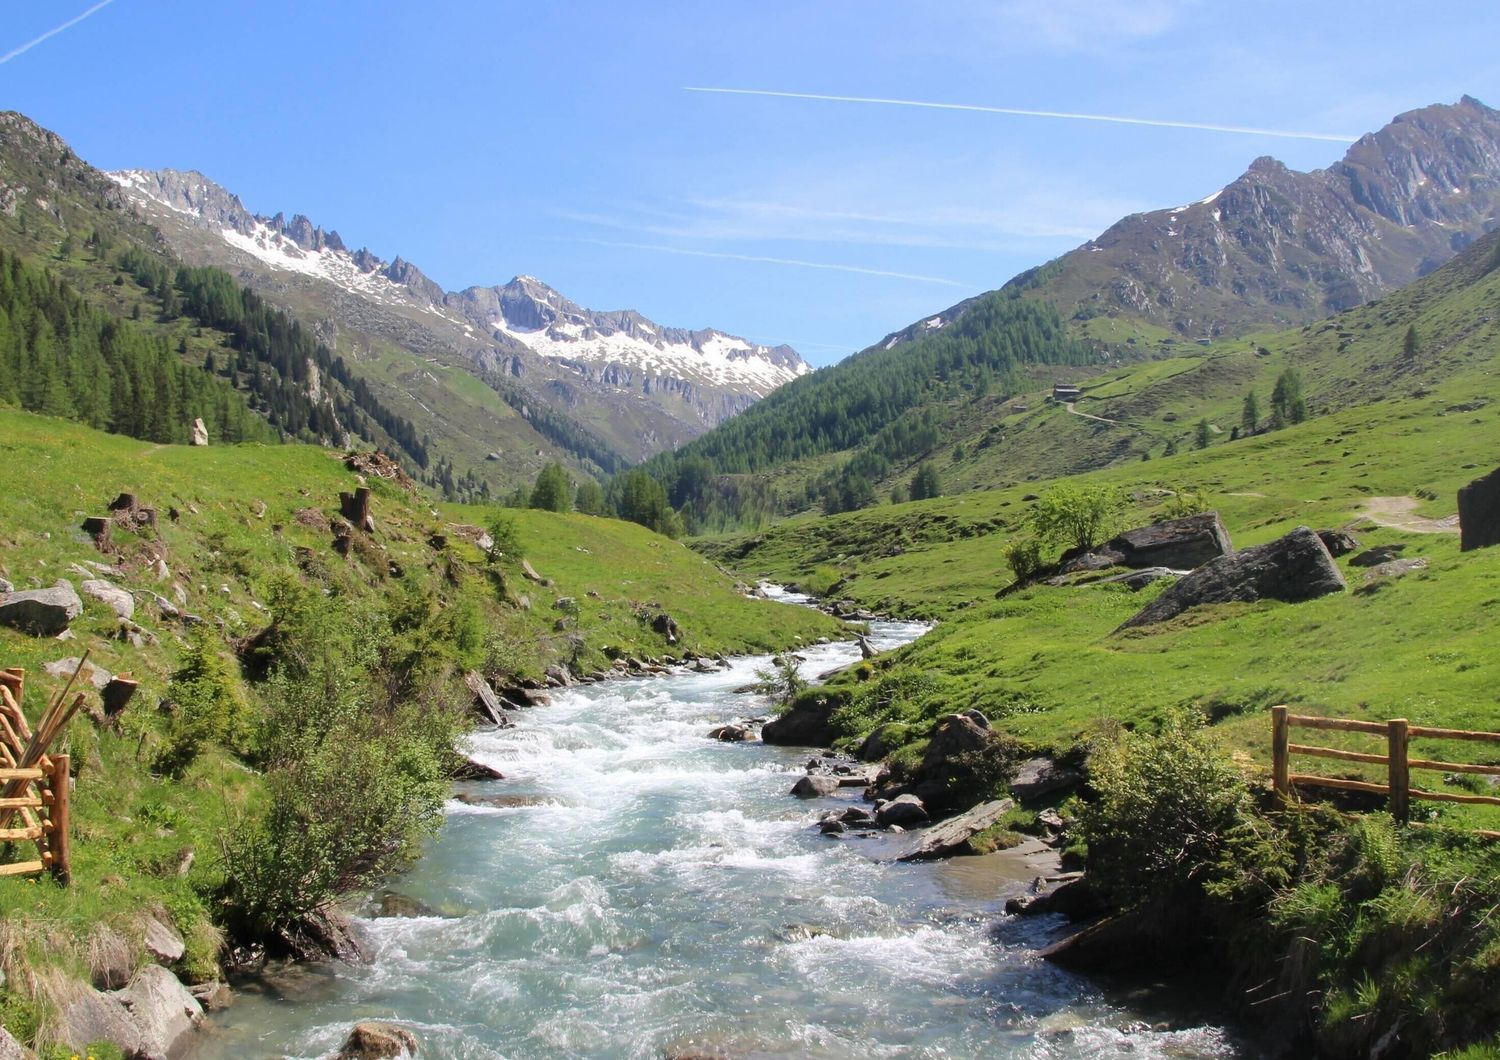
x,y
203,758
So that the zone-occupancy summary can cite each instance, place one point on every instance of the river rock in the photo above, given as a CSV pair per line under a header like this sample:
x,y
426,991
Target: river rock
x,y
805,724
732,734
1374,557
1038,777
1479,513
902,810
815,786
327,933
112,596
1293,568
92,1016
486,703
41,612
952,836
881,741
831,826
373,1040
163,943
1178,544
162,1008
469,769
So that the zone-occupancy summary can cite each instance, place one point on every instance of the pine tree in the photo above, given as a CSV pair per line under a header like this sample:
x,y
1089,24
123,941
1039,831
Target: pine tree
x,y
1204,434
1287,403
926,483
1410,344
1250,414
553,490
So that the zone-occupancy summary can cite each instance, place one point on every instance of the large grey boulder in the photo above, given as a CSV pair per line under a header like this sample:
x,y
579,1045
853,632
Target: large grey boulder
x,y
1041,776
163,942
1479,513
1293,568
1178,544
162,1009
952,836
96,1017
112,596
41,612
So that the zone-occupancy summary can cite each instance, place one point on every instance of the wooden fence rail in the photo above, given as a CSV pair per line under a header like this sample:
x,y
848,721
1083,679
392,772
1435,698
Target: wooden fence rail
x,y
34,785
1397,759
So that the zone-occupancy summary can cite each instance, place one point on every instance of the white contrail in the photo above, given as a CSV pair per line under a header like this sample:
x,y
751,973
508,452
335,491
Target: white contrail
x,y
54,31
770,261
1112,118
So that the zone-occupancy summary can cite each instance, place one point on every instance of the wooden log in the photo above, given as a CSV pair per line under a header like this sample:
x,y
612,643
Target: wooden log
x,y
1280,732
13,679
1429,733
1337,724
21,868
12,709
21,774
1446,796
1400,776
60,839
1333,782
11,835
23,802
1333,752
1452,767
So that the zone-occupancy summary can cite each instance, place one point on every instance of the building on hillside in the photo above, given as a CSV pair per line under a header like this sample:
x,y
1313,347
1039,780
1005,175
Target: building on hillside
x,y
1066,392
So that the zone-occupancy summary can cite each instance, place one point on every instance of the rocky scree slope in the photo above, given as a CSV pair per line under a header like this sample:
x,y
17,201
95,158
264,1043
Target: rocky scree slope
x,y
1278,247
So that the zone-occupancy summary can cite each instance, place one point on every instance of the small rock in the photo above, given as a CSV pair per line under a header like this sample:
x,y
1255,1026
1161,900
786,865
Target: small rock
x,y
1338,542
732,734
371,1040
163,942
1396,568
1374,557
200,432
831,826
64,668
213,996
815,787
112,596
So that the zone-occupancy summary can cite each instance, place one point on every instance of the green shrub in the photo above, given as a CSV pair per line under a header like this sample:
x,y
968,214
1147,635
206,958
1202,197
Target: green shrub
x,y
1075,516
206,704
1167,805
1024,558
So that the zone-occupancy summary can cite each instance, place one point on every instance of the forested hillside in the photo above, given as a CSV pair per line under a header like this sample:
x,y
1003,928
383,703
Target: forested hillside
x,y
880,408
62,357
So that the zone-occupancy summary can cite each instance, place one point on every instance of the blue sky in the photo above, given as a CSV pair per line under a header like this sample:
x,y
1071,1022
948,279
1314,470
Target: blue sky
x,y
481,140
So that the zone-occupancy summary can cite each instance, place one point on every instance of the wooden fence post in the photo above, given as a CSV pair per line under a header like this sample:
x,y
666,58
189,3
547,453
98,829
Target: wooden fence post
x,y
1400,774
1280,737
57,841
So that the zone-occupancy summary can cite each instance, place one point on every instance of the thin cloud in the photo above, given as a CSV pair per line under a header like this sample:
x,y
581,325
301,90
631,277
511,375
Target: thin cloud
x,y
54,31
829,266
1114,119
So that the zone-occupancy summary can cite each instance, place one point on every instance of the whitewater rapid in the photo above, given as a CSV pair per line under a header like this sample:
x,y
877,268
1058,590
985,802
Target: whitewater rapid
x,y
642,891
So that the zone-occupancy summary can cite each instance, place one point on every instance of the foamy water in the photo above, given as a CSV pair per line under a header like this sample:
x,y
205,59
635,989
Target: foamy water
x,y
660,892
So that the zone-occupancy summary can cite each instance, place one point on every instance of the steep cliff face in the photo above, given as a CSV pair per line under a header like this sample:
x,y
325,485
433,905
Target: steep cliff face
x,y
640,386
1278,247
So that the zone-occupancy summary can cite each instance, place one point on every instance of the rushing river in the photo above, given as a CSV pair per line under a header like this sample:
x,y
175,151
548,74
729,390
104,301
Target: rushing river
x,y
644,891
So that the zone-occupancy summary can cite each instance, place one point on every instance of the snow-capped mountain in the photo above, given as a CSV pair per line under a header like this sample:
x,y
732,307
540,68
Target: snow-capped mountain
x,y
640,385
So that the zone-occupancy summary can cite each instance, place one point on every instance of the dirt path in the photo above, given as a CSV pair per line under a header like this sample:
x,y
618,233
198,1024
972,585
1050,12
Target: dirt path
x,y
1088,416
1399,513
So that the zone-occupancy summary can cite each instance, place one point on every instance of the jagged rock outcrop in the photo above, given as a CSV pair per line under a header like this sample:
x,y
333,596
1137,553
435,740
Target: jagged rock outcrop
x,y
1292,568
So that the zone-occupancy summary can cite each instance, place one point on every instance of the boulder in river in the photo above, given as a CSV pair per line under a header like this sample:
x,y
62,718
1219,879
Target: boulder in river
x,y
806,723
814,786
732,733
377,1040
1293,568
952,836
903,810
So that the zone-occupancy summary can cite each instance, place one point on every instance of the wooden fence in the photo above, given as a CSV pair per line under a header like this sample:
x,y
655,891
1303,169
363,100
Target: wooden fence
x,y
35,784
1397,759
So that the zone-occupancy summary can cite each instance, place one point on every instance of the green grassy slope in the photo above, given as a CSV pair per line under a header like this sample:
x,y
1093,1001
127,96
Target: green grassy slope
x,y
1044,661
249,518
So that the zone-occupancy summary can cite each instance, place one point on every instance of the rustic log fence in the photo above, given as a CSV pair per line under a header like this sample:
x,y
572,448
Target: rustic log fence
x,y
35,784
1398,733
